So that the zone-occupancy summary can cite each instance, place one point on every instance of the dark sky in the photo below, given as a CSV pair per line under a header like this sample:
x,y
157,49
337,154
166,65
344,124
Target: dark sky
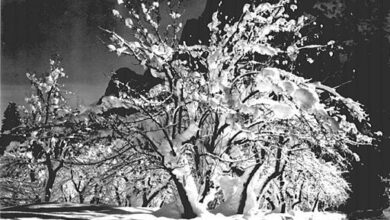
x,y
33,30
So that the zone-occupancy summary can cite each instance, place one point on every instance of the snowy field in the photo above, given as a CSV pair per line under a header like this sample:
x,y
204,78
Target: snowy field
x,y
74,211
77,211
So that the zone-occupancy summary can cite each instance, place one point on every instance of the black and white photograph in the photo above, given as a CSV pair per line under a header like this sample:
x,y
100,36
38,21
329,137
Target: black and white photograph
x,y
195,109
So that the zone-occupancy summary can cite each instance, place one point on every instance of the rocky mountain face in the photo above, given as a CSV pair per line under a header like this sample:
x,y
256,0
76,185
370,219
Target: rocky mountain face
x,y
195,31
125,77
125,80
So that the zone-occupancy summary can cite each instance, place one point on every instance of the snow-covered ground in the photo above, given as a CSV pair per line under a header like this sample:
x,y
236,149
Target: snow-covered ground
x,y
75,211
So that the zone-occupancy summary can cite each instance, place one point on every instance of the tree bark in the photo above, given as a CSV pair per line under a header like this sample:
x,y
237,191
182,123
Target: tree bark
x,y
207,186
49,185
278,169
188,210
32,175
96,197
270,203
81,198
63,194
315,206
281,194
117,196
299,197
52,173
151,197
244,194
144,198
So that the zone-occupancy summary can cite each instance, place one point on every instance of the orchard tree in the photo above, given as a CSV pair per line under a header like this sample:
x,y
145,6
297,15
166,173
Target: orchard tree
x,y
57,149
126,167
47,134
227,121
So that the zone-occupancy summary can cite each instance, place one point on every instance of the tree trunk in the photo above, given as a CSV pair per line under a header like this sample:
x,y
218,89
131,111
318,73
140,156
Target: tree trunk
x,y
278,170
32,175
128,200
271,203
52,173
144,198
244,193
299,197
281,194
81,198
188,210
96,197
315,206
151,197
49,185
207,186
63,193
117,196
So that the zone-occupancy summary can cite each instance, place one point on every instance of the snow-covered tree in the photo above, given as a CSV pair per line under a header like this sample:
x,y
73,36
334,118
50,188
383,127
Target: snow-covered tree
x,y
228,122
40,144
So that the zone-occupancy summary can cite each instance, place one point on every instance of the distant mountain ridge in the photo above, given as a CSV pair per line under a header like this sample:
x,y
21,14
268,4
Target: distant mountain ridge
x,y
123,79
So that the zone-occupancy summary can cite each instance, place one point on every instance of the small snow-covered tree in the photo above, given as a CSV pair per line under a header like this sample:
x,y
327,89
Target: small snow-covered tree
x,y
40,144
227,121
